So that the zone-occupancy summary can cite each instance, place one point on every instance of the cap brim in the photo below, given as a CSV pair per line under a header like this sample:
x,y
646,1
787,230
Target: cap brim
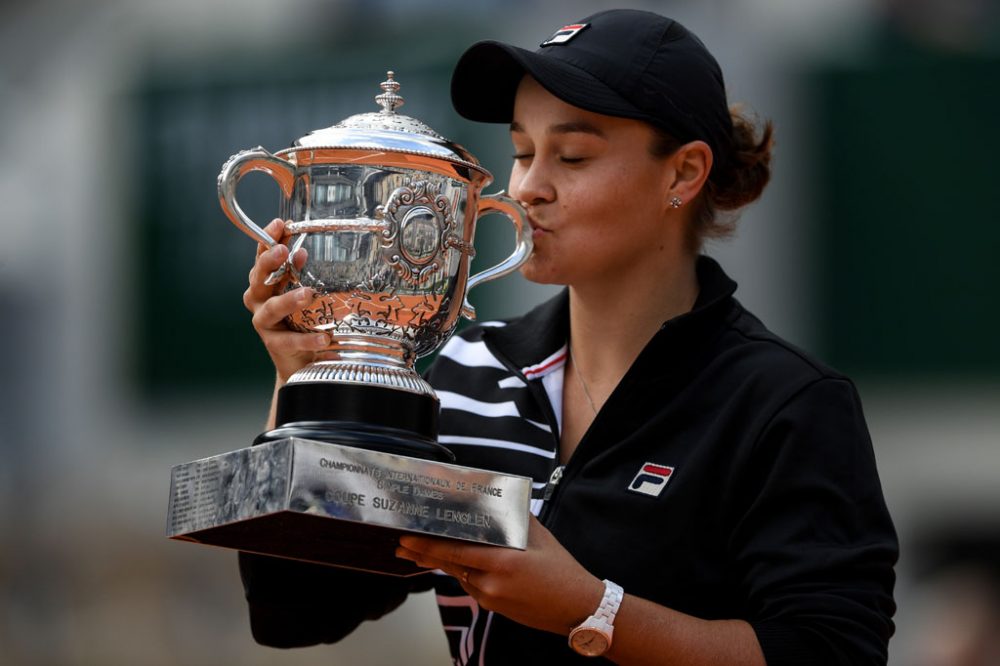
x,y
485,81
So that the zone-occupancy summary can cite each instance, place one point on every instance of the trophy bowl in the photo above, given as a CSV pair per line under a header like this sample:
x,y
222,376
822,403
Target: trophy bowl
x,y
385,209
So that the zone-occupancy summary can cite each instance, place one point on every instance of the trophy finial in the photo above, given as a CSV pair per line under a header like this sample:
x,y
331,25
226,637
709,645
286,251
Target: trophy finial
x,y
389,99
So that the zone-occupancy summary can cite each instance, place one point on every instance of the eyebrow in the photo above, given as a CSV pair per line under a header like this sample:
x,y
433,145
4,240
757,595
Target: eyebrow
x,y
566,128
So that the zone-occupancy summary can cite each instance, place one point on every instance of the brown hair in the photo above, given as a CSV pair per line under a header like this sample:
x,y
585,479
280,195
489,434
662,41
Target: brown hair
x,y
730,186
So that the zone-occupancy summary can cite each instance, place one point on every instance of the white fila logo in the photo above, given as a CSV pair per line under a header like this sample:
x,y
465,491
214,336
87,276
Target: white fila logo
x,y
651,479
564,34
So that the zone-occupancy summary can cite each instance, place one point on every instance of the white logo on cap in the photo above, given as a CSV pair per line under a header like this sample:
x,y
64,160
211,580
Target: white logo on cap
x,y
564,34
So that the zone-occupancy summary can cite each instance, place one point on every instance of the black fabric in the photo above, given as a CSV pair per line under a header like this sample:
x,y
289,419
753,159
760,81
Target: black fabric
x,y
774,512
627,63
295,604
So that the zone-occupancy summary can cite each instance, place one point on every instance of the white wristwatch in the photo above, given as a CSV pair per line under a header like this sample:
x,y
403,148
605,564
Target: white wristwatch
x,y
592,637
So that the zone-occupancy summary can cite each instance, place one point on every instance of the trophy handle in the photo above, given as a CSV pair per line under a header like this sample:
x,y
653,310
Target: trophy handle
x,y
504,205
239,165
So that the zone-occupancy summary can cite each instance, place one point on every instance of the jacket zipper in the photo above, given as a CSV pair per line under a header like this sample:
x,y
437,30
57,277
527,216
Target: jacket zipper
x,y
554,480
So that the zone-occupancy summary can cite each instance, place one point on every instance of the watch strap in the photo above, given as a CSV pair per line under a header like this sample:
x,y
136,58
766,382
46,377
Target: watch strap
x,y
610,602
602,621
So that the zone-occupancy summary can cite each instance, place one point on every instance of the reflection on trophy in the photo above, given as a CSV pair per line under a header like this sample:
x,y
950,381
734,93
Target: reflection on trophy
x,y
385,209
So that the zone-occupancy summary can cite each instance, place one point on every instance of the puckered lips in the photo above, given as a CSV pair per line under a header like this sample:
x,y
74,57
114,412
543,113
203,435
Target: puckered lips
x,y
537,228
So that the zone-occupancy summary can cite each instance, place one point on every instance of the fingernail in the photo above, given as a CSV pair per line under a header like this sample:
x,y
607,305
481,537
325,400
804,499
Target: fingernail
x,y
322,340
304,295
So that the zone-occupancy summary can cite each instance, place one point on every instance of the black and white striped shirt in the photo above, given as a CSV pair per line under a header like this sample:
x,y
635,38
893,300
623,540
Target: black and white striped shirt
x,y
492,419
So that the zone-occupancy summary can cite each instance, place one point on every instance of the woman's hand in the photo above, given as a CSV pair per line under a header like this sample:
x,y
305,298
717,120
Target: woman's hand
x,y
290,350
542,587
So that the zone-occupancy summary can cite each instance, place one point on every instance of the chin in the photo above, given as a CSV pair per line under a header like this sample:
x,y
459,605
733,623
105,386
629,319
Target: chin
x,y
537,272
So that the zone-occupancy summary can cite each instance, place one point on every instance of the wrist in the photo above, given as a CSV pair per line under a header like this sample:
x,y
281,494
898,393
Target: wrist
x,y
589,598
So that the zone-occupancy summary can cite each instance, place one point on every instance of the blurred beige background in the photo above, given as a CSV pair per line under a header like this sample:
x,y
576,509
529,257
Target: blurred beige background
x,y
125,349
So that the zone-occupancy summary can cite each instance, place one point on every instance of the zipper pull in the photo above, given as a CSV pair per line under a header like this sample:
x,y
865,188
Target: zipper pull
x,y
554,479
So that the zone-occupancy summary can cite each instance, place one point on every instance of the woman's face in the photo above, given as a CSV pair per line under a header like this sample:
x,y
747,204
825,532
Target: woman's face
x,y
595,196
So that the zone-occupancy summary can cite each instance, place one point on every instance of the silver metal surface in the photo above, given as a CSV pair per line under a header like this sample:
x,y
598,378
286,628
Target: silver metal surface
x,y
385,209
356,501
388,130
237,166
363,370
389,100
504,205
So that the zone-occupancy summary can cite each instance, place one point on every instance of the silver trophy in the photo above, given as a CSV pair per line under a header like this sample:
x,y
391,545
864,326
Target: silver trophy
x,y
385,209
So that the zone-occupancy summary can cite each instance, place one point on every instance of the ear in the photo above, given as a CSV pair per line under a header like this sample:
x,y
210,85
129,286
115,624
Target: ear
x,y
691,164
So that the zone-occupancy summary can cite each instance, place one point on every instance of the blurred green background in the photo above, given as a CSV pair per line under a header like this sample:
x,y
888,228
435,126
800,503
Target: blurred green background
x,y
126,347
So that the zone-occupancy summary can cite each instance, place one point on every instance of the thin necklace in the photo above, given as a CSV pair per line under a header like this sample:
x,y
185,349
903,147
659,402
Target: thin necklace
x,y
579,378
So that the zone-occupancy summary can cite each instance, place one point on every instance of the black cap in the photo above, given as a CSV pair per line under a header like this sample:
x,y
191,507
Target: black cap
x,y
620,62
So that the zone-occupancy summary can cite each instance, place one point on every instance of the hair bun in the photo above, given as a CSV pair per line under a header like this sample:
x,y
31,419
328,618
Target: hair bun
x,y
740,182
750,169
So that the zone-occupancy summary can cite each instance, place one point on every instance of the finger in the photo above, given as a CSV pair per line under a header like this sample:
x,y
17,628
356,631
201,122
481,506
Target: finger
x,y
421,560
286,343
276,230
447,550
258,290
268,262
273,255
462,573
270,313
299,258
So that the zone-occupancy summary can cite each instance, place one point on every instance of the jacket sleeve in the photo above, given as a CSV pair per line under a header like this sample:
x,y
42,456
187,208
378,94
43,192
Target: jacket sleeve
x,y
295,604
814,545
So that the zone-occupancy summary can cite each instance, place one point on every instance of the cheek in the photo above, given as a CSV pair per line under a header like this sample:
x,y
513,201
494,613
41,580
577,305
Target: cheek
x,y
603,196
637,191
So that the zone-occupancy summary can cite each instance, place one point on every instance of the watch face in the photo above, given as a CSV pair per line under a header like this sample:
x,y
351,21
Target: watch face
x,y
589,642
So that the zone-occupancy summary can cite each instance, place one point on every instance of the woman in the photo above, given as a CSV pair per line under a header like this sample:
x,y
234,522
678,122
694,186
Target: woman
x,y
706,493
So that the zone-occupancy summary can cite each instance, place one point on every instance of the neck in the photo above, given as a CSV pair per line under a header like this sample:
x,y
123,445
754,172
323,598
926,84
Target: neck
x,y
611,321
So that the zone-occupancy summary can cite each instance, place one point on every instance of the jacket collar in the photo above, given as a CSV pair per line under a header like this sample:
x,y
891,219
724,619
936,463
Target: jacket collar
x,y
542,332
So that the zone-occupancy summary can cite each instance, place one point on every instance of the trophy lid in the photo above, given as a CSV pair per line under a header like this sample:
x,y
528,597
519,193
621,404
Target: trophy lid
x,y
387,131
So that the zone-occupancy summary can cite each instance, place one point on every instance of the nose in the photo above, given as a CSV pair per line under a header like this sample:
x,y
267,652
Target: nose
x,y
530,183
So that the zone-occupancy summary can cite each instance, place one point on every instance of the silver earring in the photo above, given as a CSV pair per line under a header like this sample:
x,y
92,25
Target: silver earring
x,y
675,202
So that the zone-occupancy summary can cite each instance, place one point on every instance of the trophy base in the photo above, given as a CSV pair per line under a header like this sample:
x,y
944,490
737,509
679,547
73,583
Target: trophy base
x,y
341,505
376,418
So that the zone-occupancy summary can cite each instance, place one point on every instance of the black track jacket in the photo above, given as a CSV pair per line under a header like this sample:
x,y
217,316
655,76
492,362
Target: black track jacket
x,y
728,476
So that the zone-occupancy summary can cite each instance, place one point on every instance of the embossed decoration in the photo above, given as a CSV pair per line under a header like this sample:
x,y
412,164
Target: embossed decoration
x,y
388,119
420,235
435,334
419,221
